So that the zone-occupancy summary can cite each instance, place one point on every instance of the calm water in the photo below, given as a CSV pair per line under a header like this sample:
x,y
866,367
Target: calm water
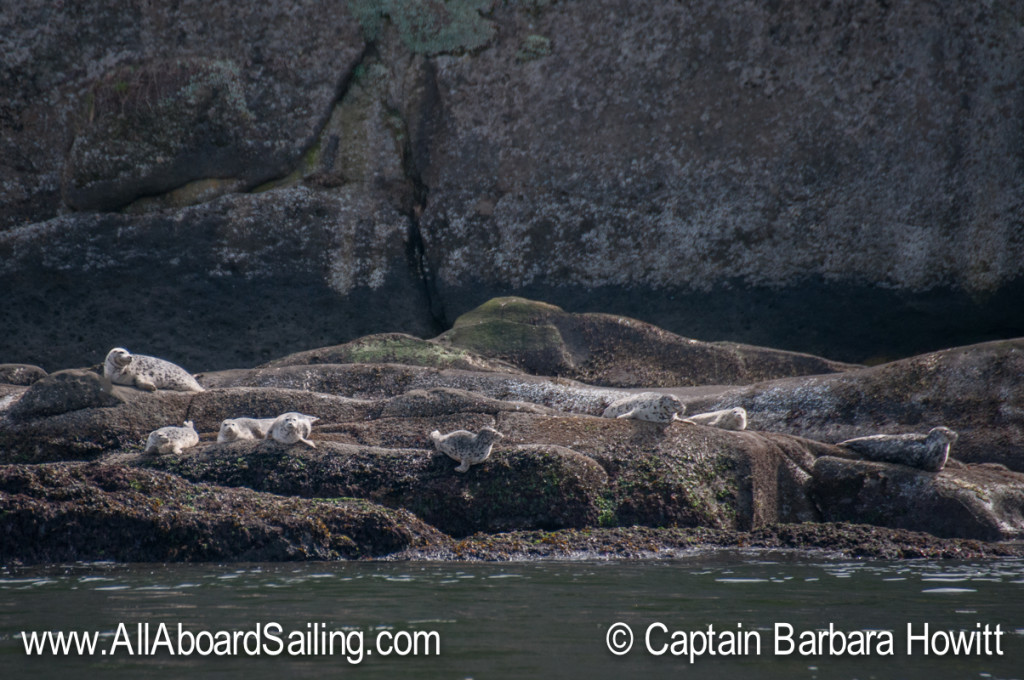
x,y
520,620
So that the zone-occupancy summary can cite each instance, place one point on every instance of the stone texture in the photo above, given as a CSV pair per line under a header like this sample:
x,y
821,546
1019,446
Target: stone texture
x,y
978,501
234,282
65,391
64,513
616,351
975,390
20,374
107,102
533,487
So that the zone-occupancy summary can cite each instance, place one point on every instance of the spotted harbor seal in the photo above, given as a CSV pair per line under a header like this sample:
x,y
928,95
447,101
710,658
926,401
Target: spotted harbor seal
x,y
122,367
289,428
726,419
465,447
926,451
172,439
234,429
657,408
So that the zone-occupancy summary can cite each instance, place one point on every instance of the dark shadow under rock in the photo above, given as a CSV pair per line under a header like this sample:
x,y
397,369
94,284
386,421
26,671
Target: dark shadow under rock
x,y
529,487
983,502
68,512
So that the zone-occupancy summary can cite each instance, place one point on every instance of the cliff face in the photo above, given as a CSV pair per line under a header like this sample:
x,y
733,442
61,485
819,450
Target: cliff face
x,y
845,179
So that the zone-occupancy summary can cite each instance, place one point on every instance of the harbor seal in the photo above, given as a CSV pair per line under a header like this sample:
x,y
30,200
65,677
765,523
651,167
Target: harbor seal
x,y
289,428
122,367
726,419
650,406
234,429
172,439
465,447
926,451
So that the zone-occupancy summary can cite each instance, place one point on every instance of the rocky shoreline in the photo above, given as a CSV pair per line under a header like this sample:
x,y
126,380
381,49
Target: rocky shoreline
x,y
563,483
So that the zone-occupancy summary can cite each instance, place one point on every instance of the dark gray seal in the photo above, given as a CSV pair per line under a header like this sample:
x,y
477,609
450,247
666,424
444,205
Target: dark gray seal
x,y
926,451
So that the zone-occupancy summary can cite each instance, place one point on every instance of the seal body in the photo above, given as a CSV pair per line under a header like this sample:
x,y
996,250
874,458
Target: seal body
x,y
290,428
726,419
926,451
465,447
122,367
234,429
172,439
656,408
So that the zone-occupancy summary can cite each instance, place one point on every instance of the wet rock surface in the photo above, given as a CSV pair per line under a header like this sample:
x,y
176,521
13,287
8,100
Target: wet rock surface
x,y
65,512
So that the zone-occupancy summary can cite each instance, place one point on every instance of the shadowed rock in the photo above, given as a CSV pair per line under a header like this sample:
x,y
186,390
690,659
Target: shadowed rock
x,y
70,512
525,487
20,374
65,391
975,501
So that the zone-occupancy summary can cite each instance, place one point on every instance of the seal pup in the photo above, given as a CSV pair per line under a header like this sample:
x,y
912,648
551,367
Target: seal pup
x,y
172,439
289,428
234,429
122,367
651,406
926,451
726,419
465,447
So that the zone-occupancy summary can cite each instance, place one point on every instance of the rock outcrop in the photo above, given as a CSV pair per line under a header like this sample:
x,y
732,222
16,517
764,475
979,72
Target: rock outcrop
x,y
844,180
559,467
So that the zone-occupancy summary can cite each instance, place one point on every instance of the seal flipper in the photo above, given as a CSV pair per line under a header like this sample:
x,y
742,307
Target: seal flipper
x,y
627,414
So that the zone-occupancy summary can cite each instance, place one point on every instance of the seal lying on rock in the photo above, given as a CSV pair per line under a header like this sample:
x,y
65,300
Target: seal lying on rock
x,y
726,419
122,367
657,408
289,428
925,451
465,447
172,439
234,429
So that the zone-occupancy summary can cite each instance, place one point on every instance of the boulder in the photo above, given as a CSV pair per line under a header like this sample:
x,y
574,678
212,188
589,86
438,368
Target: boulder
x,y
616,351
65,391
20,374
974,390
63,512
984,501
528,487
88,430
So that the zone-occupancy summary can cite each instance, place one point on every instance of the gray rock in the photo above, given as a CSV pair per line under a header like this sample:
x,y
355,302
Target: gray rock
x,y
64,391
20,374
144,99
973,501
254,277
974,390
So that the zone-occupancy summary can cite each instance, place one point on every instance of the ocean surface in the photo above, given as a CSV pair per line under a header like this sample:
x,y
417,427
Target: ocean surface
x,y
520,620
